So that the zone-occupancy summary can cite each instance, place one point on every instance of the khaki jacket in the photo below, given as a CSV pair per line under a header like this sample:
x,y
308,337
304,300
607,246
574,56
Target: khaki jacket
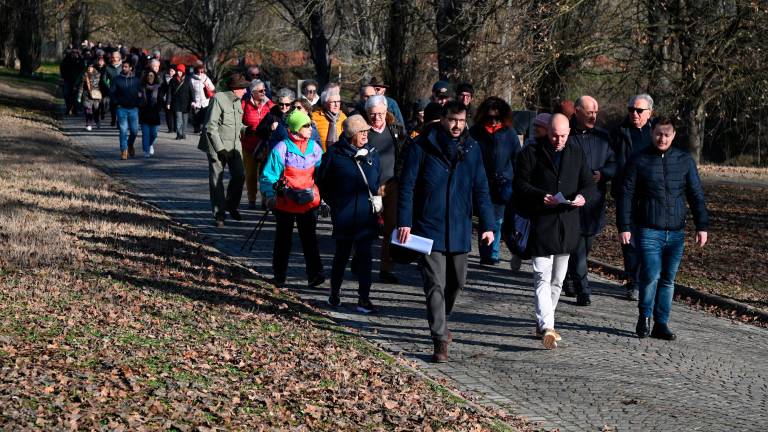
x,y
223,126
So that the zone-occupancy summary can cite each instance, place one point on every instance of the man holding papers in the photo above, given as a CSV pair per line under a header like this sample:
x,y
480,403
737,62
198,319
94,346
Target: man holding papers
x,y
442,176
552,180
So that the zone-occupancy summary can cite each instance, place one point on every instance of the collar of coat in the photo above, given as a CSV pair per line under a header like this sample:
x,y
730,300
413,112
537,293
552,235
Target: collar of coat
x,y
435,140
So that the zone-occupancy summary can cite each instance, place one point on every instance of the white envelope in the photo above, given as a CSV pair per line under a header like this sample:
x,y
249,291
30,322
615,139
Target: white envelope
x,y
561,199
416,243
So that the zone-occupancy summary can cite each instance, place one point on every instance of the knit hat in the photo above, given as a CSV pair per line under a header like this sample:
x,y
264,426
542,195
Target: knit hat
x,y
181,68
296,119
354,124
542,119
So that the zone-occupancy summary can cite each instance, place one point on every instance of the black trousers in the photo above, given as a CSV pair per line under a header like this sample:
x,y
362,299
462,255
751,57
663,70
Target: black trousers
x,y
307,224
577,266
443,275
362,258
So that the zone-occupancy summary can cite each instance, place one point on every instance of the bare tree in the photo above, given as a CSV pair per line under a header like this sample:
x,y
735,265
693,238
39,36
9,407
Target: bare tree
x,y
28,37
210,29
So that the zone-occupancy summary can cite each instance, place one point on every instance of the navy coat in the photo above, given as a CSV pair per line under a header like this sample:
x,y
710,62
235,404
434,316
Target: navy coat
x,y
436,194
596,145
655,188
554,230
343,189
500,151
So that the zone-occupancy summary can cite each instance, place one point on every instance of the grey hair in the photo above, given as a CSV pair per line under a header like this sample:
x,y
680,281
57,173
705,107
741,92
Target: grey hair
x,y
644,96
375,100
332,89
154,61
255,83
286,93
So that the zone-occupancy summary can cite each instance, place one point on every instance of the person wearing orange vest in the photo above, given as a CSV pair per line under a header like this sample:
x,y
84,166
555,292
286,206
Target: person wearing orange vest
x,y
328,117
288,181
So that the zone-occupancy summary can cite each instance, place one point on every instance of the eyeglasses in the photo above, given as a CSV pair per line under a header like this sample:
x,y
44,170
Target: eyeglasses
x,y
260,91
373,114
338,102
285,104
638,111
311,91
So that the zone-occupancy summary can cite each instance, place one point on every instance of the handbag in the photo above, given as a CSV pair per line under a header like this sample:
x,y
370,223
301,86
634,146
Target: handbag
x,y
208,93
501,189
96,94
377,205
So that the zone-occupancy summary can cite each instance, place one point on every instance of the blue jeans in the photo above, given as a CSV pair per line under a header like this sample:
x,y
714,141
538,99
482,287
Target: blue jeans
x,y
660,255
127,118
148,136
492,251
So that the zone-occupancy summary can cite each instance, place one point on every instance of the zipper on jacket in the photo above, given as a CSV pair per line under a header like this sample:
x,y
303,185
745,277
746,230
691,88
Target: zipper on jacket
x,y
666,190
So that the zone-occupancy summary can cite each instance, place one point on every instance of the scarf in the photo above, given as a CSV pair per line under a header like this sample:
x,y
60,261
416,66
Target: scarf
x,y
151,90
493,128
300,142
333,134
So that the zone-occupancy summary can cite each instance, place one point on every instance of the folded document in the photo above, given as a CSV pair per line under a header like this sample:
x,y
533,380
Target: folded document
x,y
416,243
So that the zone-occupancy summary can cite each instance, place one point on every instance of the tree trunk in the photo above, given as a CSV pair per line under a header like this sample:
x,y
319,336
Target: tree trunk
x,y
78,23
692,115
318,43
452,44
29,36
396,72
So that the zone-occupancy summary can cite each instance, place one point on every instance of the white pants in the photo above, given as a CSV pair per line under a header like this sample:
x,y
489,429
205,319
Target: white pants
x,y
548,274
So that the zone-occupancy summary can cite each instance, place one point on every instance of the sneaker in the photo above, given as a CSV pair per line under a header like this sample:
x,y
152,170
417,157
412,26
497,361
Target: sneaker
x,y
549,340
147,155
152,150
538,332
366,307
316,281
632,293
334,300
88,128
515,263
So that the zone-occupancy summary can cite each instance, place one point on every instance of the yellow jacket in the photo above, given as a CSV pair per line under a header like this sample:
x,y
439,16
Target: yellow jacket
x,y
322,125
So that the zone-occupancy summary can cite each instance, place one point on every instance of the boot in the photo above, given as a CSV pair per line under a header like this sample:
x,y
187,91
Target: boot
x,y
124,155
661,331
441,352
643,326
131,150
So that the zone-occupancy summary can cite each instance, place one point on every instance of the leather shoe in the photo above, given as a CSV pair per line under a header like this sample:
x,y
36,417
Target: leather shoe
x,y
441,352
643,326
318,280
583,300
661,331
235,214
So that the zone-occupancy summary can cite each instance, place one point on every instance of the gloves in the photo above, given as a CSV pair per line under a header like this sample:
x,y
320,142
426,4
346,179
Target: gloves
x,y
223,156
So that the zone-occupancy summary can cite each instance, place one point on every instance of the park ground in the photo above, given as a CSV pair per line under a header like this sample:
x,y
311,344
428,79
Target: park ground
x,y
113,317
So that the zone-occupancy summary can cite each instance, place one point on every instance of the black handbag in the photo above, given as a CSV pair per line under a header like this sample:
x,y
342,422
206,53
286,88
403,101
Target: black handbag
x,y
501,189
300,196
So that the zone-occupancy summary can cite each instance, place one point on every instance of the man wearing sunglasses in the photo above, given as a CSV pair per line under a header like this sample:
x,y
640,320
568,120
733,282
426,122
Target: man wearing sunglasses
x,y
631,137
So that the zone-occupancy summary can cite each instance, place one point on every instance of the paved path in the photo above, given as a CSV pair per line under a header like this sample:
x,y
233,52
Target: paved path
x,y
714,377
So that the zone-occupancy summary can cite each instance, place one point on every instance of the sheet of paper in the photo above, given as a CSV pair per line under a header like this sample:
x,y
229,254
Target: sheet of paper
x,y
561,199
416,243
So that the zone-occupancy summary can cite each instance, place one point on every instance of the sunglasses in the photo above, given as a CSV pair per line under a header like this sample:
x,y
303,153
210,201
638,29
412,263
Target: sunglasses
x,y
637,110
308,125
284,104
311,91
260,91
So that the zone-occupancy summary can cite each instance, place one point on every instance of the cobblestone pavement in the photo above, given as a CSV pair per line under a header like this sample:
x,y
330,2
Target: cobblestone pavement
x,y
713,378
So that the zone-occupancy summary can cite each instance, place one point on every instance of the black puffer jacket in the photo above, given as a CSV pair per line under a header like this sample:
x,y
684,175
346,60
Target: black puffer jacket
x,y
655,188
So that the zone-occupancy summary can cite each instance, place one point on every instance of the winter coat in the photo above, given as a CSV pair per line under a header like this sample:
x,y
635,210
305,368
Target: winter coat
x,y
596,145
252,117
624,149
151,105
554,230
199,83
500,151
90,82
286,162
180,94
223,125
655,188
322,123
124,91
110,73
437,194
343,189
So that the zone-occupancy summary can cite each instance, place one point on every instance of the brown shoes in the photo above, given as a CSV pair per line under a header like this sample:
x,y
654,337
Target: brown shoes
x,y
124,155
441,352
549,339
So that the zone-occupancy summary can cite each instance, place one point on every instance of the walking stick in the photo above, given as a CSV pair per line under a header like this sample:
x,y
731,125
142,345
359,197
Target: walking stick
x,y
254,235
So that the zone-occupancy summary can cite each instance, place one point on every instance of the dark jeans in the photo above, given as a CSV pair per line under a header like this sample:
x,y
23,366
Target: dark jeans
x,y
70,97
169,120
180,118
660,254
307,224
631,255
443,275
577,266
362,258
198,116
491,251
219,201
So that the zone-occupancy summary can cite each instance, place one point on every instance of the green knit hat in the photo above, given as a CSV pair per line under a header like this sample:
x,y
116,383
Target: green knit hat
x,y
296,119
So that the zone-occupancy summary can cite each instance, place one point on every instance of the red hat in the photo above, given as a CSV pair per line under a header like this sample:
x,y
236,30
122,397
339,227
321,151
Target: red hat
x,y
181,68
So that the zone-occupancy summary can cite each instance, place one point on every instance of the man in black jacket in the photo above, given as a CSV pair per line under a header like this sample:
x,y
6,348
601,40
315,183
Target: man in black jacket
x,y
552,180
657,183
633,136
596,145
125,96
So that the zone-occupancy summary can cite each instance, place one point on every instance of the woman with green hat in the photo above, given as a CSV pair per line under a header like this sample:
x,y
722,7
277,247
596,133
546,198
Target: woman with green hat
x,y
288,181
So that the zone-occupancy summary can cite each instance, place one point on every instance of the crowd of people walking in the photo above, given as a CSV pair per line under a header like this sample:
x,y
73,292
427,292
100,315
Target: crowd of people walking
x,y
541,189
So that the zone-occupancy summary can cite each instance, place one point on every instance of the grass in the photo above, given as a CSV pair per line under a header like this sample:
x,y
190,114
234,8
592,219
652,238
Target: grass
x,y
114,317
